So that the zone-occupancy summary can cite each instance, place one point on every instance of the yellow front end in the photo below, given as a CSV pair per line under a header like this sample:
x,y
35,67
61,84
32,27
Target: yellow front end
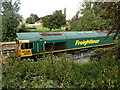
x,y
22,50
25,52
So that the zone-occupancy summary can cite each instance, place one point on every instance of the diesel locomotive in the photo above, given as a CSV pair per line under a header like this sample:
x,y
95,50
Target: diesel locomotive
x,y
37,43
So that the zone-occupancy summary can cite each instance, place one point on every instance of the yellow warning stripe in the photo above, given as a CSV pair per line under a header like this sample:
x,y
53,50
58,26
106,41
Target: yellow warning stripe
x,y
24,41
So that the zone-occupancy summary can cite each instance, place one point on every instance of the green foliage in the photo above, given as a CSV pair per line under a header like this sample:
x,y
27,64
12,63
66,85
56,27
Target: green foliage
x,y
1,27
54,21
90,20
47,22
75,26
109,10
32,19
107,52
50,72
59,19
65,11
10,19
29,20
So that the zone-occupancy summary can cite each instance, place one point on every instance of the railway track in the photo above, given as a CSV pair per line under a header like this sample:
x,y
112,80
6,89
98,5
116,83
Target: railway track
x,y
83,55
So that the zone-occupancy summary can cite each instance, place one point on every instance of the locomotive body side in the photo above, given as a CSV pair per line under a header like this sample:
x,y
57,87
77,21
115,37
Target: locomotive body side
x,y
31,44
87,40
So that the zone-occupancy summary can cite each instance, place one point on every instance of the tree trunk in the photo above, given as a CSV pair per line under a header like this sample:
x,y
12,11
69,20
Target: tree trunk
x,y
50,29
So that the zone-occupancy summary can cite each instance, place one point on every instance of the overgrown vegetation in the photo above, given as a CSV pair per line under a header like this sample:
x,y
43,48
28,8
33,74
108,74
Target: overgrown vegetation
x,y
54,21
32,19
10,19
50,72
97,16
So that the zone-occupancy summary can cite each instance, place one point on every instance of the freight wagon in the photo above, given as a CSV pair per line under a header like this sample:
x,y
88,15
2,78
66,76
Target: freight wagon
x,y
37,43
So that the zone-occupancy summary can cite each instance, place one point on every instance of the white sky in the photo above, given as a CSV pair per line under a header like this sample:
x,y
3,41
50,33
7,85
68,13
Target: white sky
x,y
46,7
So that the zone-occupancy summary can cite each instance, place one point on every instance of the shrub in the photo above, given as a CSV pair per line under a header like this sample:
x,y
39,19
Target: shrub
x,y
50,72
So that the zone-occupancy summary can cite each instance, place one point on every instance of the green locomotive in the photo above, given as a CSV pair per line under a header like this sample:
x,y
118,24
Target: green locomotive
x,y
37,43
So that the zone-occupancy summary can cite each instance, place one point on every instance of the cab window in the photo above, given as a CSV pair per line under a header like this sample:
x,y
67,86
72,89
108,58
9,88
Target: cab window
x,y
27,46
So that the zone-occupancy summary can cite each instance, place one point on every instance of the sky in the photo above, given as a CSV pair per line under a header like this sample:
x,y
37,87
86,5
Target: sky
x,y
47,7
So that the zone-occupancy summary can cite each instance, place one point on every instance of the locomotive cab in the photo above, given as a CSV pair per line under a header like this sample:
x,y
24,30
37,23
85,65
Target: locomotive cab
x,y
24,48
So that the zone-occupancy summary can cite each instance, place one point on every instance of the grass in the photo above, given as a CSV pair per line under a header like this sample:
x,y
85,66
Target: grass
x,y
40,28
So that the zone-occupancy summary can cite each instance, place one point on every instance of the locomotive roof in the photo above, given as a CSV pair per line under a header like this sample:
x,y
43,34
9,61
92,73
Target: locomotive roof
x,y
58,35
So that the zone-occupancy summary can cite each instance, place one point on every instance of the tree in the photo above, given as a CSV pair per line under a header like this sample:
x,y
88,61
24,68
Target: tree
x,y
58,19
10,19
29,20
111,11
54,21
47,22
75,26
65,11
90,21
0,27
32,19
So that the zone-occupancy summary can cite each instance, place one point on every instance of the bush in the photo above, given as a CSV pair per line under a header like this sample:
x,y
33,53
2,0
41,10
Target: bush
x,y
50,72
